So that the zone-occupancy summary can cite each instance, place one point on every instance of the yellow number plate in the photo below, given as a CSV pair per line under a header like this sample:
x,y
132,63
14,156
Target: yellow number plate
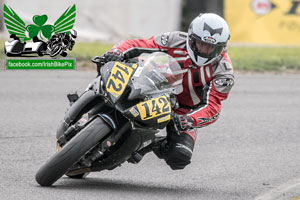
x,y
119,77
154,107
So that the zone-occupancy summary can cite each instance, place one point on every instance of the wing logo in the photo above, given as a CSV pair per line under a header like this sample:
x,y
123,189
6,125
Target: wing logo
x,y
212,31
16,26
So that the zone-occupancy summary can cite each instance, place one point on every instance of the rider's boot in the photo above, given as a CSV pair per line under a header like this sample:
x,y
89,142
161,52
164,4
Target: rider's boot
x,y
137,156
160,149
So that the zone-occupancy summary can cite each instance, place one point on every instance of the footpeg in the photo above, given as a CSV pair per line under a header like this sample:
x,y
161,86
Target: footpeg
x,y
73,97
135,158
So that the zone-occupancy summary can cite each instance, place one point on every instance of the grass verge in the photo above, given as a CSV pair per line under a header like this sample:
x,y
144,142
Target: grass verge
x,y
265,59
244,58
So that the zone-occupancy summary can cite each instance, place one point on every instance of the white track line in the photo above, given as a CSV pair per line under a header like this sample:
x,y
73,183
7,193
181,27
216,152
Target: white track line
x,y
278,191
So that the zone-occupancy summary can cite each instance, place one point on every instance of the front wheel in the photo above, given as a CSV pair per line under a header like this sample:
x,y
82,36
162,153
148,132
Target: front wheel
x,y
60,162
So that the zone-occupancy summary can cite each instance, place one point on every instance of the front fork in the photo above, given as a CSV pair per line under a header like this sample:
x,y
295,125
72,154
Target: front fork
x,y
90,101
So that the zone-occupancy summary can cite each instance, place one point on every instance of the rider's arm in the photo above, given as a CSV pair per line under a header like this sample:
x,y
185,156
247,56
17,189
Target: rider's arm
x,y
166,42
127,50
219,88
208,112
133,48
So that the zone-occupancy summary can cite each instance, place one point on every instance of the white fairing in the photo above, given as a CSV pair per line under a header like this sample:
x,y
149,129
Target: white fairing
x,y
33,46
9,45
211,26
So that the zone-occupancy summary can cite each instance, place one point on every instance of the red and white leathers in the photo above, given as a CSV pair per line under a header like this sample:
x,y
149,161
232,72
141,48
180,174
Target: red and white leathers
x,y
204,87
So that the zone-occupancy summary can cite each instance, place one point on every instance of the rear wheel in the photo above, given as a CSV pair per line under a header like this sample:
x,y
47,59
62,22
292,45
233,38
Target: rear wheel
x,y
60,162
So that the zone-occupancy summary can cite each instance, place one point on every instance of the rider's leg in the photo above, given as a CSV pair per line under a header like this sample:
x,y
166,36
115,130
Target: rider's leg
x,y
177,149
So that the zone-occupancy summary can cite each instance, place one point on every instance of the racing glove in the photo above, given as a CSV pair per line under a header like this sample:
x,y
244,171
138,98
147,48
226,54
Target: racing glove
x,y
184,122
113,55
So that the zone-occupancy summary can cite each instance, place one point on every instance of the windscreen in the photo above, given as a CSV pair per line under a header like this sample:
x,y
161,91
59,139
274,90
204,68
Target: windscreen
x,y
158,73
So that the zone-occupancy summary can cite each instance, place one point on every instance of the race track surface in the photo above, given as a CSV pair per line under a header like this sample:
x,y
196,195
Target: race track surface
x,y
251,152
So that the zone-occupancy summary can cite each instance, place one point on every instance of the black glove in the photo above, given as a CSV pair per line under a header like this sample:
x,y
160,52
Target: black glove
x,y
184,122
113,55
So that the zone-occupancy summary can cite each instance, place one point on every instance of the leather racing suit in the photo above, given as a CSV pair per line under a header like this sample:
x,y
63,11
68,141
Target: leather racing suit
x,y
204,87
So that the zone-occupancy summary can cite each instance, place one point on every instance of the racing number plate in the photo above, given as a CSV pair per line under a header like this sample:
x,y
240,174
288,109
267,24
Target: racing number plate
x,y
154,107
118,78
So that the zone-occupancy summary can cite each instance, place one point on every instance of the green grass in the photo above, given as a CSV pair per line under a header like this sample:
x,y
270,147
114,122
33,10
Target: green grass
x,y
2,56
244,58
257,59
261,59
86,51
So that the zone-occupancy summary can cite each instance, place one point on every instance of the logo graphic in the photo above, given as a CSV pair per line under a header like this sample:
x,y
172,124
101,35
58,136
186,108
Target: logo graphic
x,y
224,82
165,38
294,8
211,30
209,39
262,7
206,120
47,39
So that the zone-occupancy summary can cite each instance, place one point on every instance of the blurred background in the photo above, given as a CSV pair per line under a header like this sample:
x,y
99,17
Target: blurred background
x,y
264,33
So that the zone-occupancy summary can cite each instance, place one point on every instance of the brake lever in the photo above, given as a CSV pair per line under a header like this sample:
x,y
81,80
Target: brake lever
x,y
99,60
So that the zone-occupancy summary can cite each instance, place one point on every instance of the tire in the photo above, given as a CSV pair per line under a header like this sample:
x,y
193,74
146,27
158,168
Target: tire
x,y
64,54
60,162
77,176
40,53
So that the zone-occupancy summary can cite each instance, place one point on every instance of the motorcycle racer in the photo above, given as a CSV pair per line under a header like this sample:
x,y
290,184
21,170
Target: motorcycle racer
x,y
207,82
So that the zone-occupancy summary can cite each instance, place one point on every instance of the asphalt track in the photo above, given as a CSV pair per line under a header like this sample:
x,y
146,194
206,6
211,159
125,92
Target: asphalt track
x,y
251,152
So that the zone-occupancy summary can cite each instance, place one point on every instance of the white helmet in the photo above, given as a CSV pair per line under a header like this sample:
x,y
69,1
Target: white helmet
x,y
207,37
73,33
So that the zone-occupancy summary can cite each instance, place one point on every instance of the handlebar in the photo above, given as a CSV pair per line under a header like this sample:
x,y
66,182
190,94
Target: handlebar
x,y
99,61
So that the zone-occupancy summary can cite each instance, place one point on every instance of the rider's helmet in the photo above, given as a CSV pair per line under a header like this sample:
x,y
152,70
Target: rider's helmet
x,y
207,37
73,33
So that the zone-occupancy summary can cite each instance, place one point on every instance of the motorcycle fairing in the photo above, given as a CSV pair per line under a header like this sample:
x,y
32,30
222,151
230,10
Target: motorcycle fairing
x,y
116,76
153,113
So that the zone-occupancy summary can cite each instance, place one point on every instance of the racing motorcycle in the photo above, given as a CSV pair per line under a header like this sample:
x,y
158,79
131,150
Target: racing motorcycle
x,y
60,43
116,117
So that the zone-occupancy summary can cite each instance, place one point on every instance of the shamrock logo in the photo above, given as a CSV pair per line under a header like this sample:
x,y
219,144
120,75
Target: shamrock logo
x,y
38,26
15,25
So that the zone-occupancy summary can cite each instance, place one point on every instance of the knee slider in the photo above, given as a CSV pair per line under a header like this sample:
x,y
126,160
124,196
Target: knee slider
x,y
178,156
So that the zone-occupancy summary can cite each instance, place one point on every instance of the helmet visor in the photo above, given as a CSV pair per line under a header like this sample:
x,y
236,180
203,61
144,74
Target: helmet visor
x,y
204,48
